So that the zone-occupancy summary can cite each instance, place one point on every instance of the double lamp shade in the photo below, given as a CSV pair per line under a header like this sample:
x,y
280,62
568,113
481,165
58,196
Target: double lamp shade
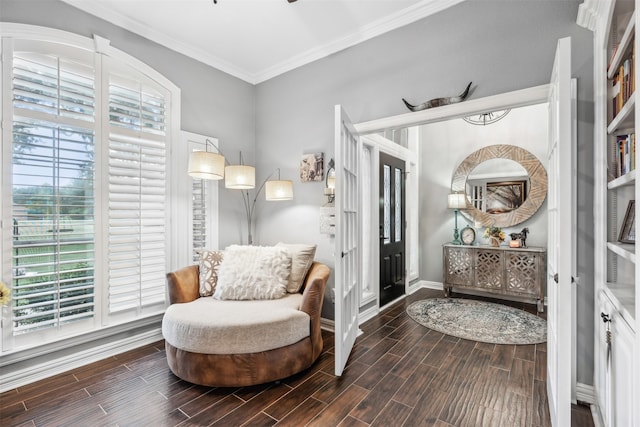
x,y
210,166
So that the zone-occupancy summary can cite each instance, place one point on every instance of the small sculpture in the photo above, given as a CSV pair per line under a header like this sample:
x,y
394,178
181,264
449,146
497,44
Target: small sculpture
x,y
438,102
522,236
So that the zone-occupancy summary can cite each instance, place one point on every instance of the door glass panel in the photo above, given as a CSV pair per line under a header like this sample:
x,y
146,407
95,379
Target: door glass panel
x,y
387,204
398,199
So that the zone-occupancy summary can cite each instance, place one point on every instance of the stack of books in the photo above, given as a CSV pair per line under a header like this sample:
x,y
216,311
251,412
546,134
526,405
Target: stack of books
x,y
623,85
625,153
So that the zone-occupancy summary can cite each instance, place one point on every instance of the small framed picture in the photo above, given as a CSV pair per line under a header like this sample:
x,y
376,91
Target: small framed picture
x,y
628,230
312,167
505,196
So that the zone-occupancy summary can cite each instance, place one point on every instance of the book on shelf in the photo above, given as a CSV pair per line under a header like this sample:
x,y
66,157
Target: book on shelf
x,y
625,154
623,84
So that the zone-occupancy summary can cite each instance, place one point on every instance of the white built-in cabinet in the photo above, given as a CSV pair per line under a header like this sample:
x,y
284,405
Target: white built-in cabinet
x,y
617,353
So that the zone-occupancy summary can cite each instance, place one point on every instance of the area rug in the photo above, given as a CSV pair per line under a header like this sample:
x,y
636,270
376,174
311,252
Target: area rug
x,y
479,321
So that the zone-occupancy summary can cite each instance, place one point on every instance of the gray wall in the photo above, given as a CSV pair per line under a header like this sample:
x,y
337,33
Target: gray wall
x,y
499,45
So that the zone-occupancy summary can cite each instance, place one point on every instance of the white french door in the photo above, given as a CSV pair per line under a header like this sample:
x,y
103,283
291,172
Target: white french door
x,y
561,259
347,250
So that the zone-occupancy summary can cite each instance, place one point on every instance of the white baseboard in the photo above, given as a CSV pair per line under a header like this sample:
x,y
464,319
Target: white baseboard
x,y
585,393
327,324
32,373
368,314
430,285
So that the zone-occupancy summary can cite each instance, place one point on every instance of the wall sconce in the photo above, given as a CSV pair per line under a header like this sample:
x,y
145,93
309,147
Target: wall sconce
x,y
456,201
206,164
330,183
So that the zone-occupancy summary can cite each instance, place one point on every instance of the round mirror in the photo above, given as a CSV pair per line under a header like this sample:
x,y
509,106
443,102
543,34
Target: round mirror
x,y
504,185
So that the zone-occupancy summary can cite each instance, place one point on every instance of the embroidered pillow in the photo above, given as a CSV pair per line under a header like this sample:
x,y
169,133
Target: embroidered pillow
x,y
209,263
253,273
301,260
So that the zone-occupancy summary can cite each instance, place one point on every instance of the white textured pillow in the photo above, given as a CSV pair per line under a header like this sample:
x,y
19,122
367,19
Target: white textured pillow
x,y
253,272
301,260
209,263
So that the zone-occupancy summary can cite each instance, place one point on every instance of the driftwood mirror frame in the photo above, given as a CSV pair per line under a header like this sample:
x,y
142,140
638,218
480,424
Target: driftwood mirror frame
x,y
537,188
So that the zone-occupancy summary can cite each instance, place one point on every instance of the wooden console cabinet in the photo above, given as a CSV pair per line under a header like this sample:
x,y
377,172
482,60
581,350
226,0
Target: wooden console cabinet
x,y
496,270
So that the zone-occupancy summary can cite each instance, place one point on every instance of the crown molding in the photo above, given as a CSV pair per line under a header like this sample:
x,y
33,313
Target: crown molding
x,y
404,17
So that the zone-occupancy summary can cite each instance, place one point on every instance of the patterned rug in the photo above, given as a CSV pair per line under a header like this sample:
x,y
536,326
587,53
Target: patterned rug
x,y
479,321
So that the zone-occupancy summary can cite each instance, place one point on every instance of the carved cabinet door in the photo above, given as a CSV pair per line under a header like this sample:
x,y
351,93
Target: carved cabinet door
x,y
522,271
458,268
489,269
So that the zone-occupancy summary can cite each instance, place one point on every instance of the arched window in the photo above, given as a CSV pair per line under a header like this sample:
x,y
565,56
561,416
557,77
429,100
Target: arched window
x,y
87,136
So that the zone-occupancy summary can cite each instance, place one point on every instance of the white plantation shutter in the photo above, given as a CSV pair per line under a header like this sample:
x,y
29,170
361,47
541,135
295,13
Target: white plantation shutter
x,y
199,217
137,196
52,179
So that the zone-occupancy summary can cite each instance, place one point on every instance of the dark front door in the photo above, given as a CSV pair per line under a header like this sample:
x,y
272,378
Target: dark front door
x,y
392,228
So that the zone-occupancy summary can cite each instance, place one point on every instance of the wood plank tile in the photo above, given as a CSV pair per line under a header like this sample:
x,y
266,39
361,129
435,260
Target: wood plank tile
x,y
45,405
438,356
302,414
374,374
394,413
526,352
339,384
205,401
261,420
337,410
516,410
463,348
488,391
375,353
213,412
445,377
414,357
295,397
350,421
521,377
377,398
503,356
427,411
540,412
415,385
541,366
252,407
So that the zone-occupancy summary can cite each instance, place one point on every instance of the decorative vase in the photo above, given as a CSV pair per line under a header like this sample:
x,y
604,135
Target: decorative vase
x,y
494,241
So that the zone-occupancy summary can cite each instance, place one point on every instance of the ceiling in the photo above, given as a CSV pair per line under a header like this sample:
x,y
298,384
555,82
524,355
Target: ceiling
x,y
256,40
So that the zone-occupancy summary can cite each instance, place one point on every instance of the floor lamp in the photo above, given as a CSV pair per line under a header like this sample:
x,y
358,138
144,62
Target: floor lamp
x,y
456,201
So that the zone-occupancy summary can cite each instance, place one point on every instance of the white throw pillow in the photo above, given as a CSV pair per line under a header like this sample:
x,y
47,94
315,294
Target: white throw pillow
x,y
301,259
209,263
253,272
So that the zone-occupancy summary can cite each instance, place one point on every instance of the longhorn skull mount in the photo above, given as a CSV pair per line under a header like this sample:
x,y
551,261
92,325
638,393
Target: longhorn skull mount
x,y
438,102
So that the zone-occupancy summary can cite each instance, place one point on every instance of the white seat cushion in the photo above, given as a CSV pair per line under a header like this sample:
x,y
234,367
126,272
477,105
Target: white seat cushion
x,y
211,326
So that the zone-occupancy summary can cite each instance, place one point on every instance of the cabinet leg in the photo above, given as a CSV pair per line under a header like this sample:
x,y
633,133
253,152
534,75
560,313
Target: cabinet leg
x,y
447,291
540,306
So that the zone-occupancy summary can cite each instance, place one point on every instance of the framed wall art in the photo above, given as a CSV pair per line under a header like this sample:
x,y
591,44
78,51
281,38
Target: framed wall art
x,y
628,229
505,196
312,167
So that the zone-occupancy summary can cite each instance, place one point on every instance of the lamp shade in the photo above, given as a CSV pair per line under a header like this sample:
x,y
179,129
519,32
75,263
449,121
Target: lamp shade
x,y
240,177
278,190
457,201
206,165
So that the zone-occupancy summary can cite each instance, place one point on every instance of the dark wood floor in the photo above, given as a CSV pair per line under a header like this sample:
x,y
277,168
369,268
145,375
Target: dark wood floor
x,y
399,374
